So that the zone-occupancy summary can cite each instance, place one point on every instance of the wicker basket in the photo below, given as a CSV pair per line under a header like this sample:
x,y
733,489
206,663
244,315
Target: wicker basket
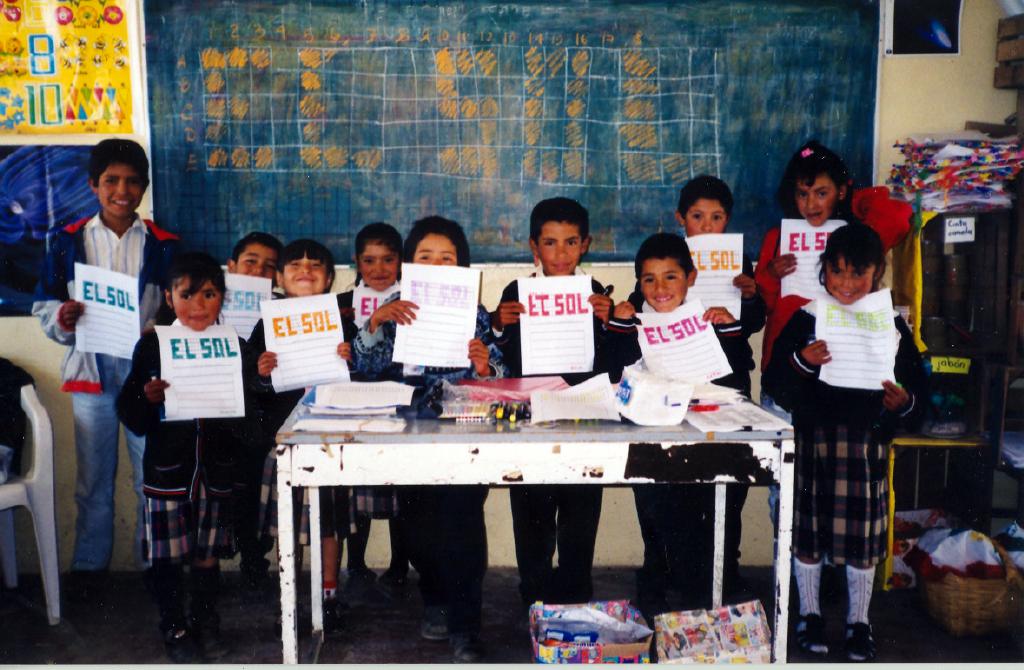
x,y
969,606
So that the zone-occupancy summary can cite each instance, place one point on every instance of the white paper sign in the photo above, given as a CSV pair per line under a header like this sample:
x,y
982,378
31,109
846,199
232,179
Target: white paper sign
x,y
305,334
110,322
447,297
592,399
365,301
806,242
718,258
862,340
959,229
557,328
204,370
242,301
363,395
682,345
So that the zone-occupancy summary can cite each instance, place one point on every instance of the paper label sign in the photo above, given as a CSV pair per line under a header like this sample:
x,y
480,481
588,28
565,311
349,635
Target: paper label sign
x,y
718,258
959,229
365,301
242,301
682,345
447,297
806,242
204,373
557,328
950,365
861,339
305,334
110,323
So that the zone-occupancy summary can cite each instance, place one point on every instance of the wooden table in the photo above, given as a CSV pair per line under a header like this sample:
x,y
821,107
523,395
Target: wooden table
x,y
431,452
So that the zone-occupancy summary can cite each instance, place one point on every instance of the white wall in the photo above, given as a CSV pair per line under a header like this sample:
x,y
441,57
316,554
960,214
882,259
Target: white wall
x,y
916,94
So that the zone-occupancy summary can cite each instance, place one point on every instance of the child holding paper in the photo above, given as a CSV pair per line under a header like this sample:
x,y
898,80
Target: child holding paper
x,y
306,268
446,536
546,517
378,259
840,504
189,474
674,519
255,255
116,238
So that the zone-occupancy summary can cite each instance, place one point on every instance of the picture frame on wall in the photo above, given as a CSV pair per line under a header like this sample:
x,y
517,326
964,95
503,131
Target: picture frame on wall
x,y
922,27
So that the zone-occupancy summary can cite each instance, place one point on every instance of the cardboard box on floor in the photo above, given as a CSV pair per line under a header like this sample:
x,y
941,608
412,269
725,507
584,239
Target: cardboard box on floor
x,y
552,651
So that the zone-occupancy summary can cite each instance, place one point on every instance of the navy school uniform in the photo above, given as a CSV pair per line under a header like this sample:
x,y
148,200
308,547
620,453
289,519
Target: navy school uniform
x,y
544,517
272,410
677,520
840,434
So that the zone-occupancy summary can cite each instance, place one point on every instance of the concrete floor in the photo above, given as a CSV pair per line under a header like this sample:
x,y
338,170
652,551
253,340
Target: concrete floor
x,y
124,628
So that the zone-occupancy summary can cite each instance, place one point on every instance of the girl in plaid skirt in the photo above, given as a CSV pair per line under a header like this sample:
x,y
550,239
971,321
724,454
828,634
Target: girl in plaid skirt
x,y
840,499
189,474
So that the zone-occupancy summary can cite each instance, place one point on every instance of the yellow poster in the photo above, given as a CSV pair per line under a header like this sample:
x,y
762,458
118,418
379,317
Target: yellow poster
x,y
64,67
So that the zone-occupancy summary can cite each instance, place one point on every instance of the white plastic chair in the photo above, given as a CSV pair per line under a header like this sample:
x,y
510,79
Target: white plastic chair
x,y
34,491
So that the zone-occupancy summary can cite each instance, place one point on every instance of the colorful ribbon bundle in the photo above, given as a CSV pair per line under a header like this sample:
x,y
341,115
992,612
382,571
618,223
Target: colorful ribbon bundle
x,y
964,172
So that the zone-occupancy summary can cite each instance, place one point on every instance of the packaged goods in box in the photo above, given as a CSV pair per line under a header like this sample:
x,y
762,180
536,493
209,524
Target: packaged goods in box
x,y
731,634
607,631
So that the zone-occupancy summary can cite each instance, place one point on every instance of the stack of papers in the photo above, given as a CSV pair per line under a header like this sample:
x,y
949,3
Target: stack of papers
x,y
592,399
732,418
354,406
967,171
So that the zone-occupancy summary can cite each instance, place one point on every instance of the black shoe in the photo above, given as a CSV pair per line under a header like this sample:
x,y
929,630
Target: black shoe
x,y
394,581
810,635
86,586
860,644
361,589
180,644
334,615
435,624
467,649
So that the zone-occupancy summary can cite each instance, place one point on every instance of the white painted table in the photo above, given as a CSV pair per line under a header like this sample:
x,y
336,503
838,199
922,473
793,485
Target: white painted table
x,y
442,453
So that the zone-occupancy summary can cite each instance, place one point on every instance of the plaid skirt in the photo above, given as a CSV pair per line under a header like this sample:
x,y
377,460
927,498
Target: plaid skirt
x,y
334,507
181,531
841,496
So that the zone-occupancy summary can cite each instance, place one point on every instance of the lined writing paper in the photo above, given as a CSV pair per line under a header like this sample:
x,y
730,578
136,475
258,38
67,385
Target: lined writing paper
x,y
862,340
806,242
682,345
718,258
110,322
447,297
365,301
242,301
557,328
305,334
592,399
204,373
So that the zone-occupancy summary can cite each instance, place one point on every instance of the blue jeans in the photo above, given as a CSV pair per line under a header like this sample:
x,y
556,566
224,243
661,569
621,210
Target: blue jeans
x,y
96,433
773,489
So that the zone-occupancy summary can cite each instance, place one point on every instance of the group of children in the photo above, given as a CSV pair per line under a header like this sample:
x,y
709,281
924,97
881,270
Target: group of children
x,y
201,479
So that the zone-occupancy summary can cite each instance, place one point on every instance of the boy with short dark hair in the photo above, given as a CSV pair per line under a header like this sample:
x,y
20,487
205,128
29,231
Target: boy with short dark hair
x,y
117,239
256,255
546,516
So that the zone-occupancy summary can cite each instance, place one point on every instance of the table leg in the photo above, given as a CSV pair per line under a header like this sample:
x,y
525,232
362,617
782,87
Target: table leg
x,y
784,548
316,564
286,547
716,589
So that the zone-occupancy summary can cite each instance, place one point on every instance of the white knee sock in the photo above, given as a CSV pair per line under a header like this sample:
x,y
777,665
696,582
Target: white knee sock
x,y
808,582
859,584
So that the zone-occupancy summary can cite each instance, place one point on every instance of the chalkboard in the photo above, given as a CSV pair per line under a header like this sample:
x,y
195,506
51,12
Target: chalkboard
x,y
311,119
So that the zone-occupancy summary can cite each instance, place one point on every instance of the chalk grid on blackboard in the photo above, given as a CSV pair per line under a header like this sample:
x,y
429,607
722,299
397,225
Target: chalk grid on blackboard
x,y
590,116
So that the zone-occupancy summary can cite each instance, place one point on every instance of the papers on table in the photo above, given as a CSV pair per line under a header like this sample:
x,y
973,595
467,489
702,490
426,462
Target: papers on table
x,y
358,396
713,394
682,345
731,418
806,242
316,423
305,334
862,340
592,399
242,300
204,373
718,259
365,301
557,328
447,297
110,322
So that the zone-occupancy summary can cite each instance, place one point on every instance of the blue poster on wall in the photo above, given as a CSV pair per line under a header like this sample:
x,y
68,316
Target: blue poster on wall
x,y
41,189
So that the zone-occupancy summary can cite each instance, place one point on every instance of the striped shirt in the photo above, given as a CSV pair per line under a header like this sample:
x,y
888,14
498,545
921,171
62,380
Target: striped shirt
x,y
103,248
